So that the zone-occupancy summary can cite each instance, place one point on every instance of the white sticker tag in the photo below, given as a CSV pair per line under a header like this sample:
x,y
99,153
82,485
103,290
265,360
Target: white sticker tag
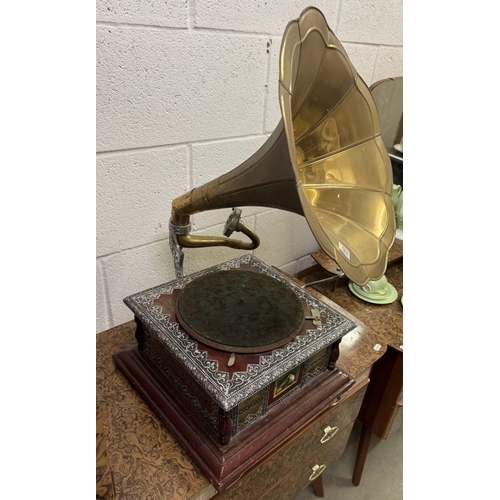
x,y
345,250
377,347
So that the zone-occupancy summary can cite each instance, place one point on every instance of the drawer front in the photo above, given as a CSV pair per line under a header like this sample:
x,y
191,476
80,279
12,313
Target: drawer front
x,y
320,439
338,417
311,468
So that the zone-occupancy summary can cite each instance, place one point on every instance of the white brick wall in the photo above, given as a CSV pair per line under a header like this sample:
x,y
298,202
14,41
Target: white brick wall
x,y
186,90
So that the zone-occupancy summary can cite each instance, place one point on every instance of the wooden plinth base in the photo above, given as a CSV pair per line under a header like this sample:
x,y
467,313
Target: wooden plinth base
x,y
223,465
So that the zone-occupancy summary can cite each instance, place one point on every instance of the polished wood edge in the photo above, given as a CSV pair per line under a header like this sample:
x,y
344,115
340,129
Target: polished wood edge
x,y
382,398
223,465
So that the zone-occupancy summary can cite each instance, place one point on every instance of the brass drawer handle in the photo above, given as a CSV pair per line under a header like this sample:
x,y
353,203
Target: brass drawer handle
x,y
329,432
337,400
317,471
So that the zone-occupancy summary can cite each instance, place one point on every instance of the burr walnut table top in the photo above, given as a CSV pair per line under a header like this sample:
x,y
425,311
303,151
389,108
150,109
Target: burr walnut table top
x,y
146,461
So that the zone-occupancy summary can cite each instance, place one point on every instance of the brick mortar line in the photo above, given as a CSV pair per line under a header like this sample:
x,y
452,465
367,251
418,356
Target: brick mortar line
x,y
139,149
207,30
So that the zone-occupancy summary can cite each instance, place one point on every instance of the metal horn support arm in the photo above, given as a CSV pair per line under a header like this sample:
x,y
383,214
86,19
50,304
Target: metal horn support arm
x,y
188,240
191,241
180,238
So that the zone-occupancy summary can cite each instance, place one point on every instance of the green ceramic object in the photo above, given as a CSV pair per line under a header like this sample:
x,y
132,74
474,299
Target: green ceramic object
x,y
389,298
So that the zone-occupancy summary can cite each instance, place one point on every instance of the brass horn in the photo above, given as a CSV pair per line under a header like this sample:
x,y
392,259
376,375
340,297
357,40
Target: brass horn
x,y
326,160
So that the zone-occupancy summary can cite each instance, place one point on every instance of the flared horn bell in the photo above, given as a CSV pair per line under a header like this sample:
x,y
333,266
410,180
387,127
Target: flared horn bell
x,y
340,162
325,160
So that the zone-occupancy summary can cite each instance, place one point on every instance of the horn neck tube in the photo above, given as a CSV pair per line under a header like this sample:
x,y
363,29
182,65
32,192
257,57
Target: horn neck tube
x,y
265,179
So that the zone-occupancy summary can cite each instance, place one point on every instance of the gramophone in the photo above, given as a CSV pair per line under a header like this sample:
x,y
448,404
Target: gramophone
x,y
235,358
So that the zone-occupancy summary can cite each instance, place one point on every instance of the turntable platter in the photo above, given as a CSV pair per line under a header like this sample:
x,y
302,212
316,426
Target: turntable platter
x,y
240,311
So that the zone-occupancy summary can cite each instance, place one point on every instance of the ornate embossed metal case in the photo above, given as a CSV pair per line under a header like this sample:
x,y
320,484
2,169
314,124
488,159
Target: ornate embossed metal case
x,y
231,391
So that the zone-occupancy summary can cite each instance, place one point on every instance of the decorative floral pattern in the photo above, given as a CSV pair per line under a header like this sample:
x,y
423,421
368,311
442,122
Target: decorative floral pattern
x,y
226,390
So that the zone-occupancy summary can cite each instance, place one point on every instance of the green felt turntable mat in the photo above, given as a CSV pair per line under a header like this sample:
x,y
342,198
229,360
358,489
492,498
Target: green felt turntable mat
x,y
240,311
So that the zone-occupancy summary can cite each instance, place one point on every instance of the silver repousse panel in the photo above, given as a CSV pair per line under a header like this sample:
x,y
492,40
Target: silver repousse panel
x,y
228,390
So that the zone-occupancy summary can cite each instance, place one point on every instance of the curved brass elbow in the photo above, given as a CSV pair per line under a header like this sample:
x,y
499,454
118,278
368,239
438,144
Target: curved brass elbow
x,y
180,227
193,241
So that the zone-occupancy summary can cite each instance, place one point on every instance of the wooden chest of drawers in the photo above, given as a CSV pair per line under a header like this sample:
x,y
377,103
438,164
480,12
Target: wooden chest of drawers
x,y
302,458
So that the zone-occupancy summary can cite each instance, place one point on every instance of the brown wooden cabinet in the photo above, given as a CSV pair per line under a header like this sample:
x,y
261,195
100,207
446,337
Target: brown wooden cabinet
x,y
302,458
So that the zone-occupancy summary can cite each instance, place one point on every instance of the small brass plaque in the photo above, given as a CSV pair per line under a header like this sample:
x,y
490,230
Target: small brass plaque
x,y
286,381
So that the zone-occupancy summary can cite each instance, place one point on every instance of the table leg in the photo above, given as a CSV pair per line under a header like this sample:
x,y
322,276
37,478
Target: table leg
x,y
318,486
364,443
